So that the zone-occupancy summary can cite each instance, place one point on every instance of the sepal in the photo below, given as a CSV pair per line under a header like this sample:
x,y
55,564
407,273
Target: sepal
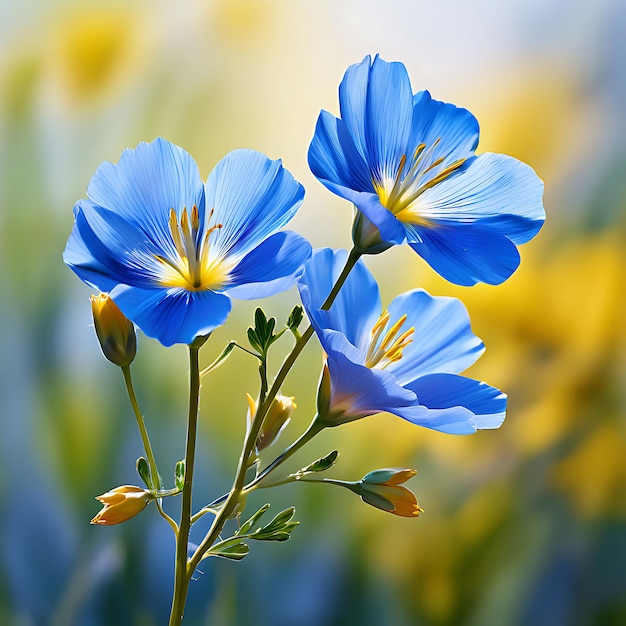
x,y
144,471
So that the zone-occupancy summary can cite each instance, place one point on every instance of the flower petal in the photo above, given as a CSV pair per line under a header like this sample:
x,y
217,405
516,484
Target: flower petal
x,y
173,315
110,249
465,253
455,404
147,182
501,192
357,306
376,104
443,340
273,266
252,196
454,130
357,389
334,159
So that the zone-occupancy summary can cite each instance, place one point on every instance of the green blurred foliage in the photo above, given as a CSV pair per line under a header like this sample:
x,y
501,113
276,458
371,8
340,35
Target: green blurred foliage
x,y
524,525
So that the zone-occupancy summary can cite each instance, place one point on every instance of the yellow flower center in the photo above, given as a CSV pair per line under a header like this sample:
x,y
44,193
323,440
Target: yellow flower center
x,y
194,268
380,354
399,190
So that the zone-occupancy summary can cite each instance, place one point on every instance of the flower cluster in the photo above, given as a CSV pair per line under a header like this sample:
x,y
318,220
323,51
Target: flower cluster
x,y
168,252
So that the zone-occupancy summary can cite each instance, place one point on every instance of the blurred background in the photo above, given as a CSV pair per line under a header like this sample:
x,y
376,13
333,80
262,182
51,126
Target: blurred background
x,y
524,525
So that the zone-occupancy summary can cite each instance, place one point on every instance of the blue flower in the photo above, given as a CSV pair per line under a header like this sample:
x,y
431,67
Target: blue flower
x,y
405,361
407,163
171,251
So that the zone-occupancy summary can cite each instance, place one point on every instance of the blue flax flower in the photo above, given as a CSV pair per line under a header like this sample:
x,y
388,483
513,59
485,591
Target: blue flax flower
x,y
407,163
405,361
171,251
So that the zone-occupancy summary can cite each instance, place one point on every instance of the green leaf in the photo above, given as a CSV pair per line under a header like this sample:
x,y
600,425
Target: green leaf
x,y
234,552
262,336
179,475
279,528
249,524
321,465
144,471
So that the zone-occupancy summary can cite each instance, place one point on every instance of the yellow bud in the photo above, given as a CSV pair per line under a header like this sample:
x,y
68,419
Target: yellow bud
x,y
120,504
276,419
382,489
115,332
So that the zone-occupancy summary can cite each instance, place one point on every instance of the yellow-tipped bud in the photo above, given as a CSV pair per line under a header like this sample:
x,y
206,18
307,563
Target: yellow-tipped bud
x,y
116,332
120,504
382,489
275,420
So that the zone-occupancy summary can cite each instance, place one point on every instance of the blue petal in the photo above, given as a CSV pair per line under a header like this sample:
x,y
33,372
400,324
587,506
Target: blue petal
x,y
443,340
252,197
173,315
119,249
357,306
466,254
147,182
500,191
273,266
366,390
391,229
455,404
455,129
334,159
389,113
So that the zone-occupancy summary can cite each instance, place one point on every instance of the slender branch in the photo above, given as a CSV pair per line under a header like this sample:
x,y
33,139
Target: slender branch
x,y
183,572
154,472
238,485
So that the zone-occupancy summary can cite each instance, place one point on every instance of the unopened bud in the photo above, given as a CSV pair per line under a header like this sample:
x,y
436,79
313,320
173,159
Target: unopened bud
x,y
120,504
382,489
115,332
275,421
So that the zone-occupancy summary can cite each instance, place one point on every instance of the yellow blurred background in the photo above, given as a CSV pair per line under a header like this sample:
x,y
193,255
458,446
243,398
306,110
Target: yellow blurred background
x,y
524,525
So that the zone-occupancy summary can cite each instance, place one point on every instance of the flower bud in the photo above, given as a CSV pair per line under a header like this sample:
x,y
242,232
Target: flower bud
x,y
366,236
275,421
115,332
120,504
382,489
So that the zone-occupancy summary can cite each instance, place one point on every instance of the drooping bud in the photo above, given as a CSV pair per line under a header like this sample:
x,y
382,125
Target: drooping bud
x,y
121,503
115,332
383,490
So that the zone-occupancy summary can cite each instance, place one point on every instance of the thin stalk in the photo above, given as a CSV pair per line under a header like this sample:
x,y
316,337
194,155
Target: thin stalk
x,y
154,472
182,573
238,485
314,428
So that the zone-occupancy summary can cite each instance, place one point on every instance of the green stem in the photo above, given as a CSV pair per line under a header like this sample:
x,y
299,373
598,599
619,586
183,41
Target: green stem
x,y
182,574
154,472
238,485
314,428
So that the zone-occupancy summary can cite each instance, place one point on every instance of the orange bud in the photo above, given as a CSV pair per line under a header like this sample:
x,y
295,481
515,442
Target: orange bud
x,y
115,332
120,504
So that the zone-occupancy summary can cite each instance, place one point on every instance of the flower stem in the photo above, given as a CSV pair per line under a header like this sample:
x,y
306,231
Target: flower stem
x,y
154,472
233,497
183,571
314,428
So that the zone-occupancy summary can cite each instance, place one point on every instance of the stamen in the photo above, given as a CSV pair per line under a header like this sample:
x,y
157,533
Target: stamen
x,y
192,268
397,194
391,347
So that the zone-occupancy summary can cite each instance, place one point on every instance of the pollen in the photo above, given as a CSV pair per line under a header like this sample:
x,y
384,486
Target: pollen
x,y
398,188
382,353
194,266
